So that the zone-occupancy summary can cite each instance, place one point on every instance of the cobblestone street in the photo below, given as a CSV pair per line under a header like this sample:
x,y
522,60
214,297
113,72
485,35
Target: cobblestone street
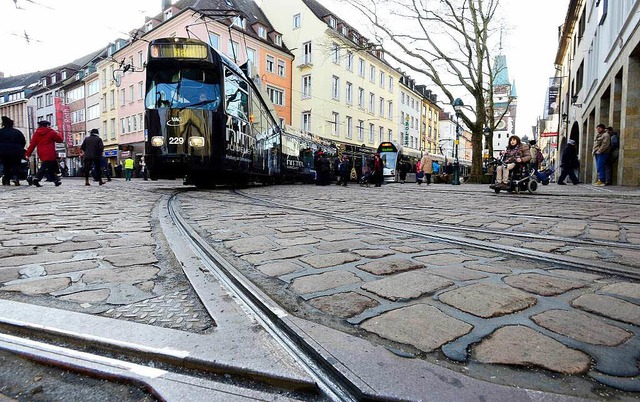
x,y
512,289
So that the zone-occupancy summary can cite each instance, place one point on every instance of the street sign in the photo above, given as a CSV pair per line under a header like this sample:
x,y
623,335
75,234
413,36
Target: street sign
x,y
111,152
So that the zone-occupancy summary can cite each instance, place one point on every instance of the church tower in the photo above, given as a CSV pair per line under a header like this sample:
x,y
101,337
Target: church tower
x,y
505,102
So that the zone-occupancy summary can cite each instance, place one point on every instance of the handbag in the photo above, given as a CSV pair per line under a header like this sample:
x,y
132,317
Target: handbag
x,y
353,175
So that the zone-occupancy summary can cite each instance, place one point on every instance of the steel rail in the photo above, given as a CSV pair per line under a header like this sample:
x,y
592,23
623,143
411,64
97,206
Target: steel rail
x,y
329,380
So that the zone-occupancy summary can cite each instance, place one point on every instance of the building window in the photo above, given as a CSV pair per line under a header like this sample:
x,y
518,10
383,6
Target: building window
x,y
112,129
277,39
214,40
390,115
140,90
48,99
332,22
390,84
335,53
349,93
306,122
140,59
361,67
233,49
390,135
335,88
372,130
335,122
350,61
123,97
349,127
360,130
361,98
262,32
381,134
372,74
372,103
112,99
381,107
281,68
251,56
270,63
306,53
131,94
383,80
306,86
39,103
296,21
104,104
276,95
239,22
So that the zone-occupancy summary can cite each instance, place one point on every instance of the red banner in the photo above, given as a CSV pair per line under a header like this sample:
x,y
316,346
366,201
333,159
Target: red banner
x,y
549,134
63,120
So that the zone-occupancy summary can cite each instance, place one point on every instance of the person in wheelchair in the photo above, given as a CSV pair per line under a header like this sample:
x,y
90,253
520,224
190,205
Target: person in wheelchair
x,y
514,158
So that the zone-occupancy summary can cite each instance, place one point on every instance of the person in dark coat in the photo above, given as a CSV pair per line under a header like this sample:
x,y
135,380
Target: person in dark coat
x,y
45,138
569,162
92,148
345,170
404,169
12,144
377,170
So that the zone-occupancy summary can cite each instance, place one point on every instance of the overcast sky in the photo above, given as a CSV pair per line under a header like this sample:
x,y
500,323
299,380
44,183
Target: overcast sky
x,y
60,31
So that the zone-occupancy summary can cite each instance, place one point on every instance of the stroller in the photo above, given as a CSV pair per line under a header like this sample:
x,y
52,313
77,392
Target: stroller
x,y
365,179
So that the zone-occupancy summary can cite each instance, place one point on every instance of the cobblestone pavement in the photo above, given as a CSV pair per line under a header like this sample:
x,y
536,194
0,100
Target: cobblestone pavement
x,y
97,250
429,297
429,285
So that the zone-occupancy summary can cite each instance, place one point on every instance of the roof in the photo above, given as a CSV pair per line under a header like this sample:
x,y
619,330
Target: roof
x,y
502,72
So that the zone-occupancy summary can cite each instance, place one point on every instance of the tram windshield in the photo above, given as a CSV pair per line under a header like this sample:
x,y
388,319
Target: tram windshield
x,y
193,88
388,155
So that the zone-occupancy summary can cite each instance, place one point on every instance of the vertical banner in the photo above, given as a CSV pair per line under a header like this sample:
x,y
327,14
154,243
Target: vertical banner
x,y
63,121
552,101
406,131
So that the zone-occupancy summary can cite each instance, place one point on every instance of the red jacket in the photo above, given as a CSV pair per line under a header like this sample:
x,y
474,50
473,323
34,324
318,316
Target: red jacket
x,y
45,139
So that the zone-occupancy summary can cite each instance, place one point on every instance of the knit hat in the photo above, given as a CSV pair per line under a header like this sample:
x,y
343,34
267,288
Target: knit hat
x,y
44,123
7,122
94,131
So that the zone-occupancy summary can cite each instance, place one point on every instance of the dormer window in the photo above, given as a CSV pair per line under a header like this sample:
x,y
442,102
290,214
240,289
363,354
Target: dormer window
x,y
278,39
262,32
239,22
168,14
53,78
43,82
332,22
64,75
149,26
344,30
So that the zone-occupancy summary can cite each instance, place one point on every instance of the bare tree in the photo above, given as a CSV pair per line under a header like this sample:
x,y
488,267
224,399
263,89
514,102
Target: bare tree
x,y
448,41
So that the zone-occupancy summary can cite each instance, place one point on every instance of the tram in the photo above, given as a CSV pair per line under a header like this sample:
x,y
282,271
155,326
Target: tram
x,y
205,121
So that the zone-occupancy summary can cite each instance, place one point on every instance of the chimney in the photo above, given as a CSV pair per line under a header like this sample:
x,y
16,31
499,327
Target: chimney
x,y
166,4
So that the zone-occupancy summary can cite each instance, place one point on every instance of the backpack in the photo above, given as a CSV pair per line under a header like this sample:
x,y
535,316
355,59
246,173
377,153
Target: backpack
x,y
538,156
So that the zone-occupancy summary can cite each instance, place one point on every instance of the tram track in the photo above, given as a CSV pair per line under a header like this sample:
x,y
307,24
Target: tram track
x,y
409,228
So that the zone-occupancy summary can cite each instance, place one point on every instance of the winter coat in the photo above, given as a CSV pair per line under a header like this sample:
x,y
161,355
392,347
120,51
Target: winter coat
x,y
601,143
426,164
92,146
521,151
569,157
45,139
12,143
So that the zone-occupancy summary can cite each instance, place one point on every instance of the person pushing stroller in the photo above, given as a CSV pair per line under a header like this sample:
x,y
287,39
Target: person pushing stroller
x,y
516,154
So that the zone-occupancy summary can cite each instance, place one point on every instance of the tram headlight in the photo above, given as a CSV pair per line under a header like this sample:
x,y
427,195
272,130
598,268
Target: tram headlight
x,y
196,142
157,141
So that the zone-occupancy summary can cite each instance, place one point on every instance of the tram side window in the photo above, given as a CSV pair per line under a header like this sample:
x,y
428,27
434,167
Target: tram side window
x,y
235,91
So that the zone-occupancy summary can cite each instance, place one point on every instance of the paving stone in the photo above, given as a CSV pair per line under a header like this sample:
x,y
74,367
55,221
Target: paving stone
x,y
495,268
457,273
373,253
422,326
544,285
604,235
545,246
408,285
9,274
32,271
132,274
74,246
296,241
89,296
444,259
71,266
32,241
432,246
39,258
608,306
389,266
483,253
488,300
580,252
126,257
37,286
522,346
329,260
343,305
16,251
141,239
583,327
252,244
405,249
282,254
324,281
336,246
583,276
625,289
278,268
627,257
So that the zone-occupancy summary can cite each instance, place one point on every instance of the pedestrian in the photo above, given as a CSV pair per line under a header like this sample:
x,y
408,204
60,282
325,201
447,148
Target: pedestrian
x,y
106,168
345,170
45,138
12,144
143,169
426,164
568,162
64,170
118,171
515,154
377,170
92,148
535,152
601,146
128,169
614,151
419,173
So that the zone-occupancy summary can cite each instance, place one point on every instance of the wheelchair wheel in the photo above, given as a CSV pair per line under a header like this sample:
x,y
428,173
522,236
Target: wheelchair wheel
x,y
532,186
517,189
497,190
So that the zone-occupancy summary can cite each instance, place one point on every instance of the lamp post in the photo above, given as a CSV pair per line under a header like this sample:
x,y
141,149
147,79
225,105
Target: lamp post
x,y
457,106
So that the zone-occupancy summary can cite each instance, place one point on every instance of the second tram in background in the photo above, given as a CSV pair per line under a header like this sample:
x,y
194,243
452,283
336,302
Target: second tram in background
x,y
206,122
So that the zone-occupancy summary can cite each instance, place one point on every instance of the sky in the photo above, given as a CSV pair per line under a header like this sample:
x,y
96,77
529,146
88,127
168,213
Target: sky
x,y
60,31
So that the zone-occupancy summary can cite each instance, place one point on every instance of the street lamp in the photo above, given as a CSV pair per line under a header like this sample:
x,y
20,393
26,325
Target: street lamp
x,y
457,106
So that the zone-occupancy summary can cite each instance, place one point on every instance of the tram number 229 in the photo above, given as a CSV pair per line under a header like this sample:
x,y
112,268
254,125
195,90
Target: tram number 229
x,y
176,140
